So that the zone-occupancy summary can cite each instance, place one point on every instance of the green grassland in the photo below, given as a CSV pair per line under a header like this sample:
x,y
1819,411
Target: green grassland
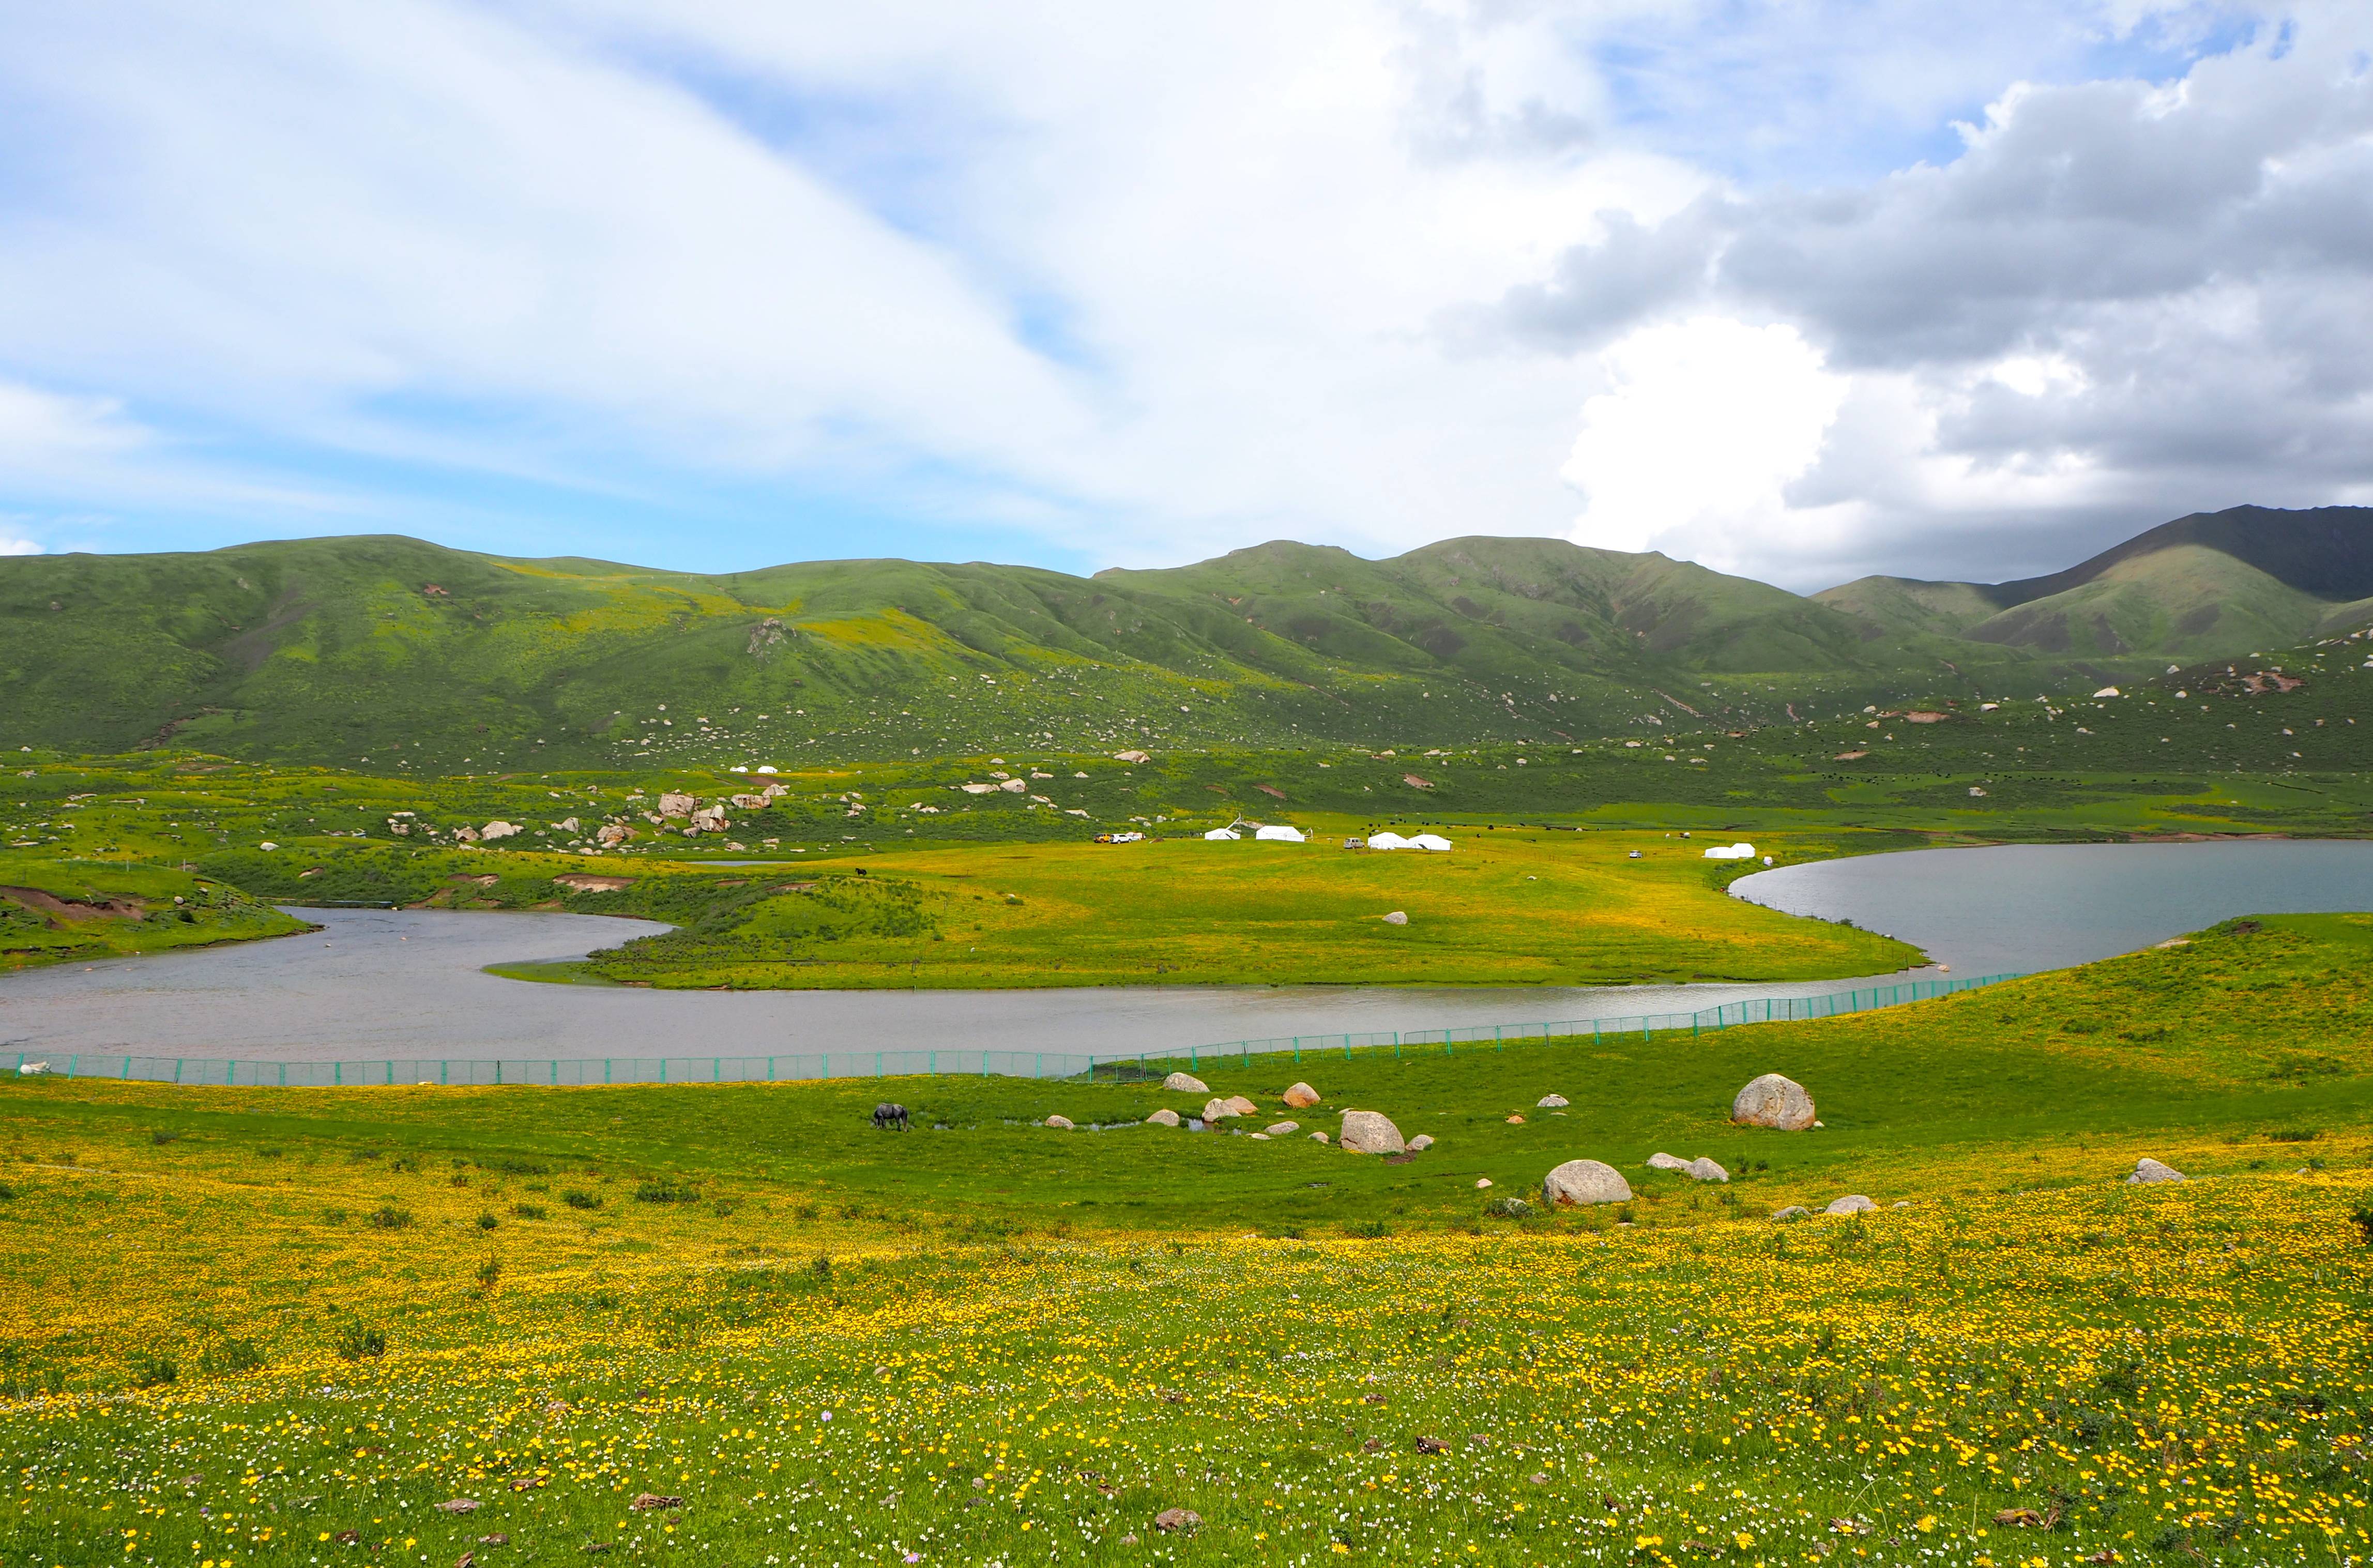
x,y
251,1321
52,913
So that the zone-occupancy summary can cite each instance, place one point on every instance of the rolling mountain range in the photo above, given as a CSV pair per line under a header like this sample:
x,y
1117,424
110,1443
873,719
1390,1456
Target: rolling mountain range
x,y
406,655
2207,586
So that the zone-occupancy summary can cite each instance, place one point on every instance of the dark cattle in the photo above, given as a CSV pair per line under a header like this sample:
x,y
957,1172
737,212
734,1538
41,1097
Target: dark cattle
x,y
888,1114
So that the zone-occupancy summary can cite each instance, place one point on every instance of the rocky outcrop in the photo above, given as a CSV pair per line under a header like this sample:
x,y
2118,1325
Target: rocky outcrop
x,y
1774,1102
1371,1132
1585,1181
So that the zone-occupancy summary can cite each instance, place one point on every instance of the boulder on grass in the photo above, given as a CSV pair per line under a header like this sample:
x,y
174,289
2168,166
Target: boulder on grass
x,y
1371,1133
1793,1212
1061,1123
1300,1096
1184,1083
1318,1138
1705,1170
1280,1129
1660,1160
1164,1117
1586,1181
1852,1203
1551,1103
2147,1169
1422,1142
1775,1102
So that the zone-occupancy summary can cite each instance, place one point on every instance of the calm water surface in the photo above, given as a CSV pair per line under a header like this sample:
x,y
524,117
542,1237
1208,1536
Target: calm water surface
x,y
407,984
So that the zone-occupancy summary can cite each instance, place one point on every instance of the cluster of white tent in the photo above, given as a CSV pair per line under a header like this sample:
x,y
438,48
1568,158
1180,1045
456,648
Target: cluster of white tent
x,y
1433,841
1731,852
1276,833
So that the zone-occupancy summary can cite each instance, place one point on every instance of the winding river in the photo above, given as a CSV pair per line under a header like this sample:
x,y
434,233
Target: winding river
x,y
409,984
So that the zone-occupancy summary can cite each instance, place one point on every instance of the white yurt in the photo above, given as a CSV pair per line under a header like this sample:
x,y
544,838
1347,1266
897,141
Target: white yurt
x,y
1278,832
1731,852
1433,841
1228,833
1386,841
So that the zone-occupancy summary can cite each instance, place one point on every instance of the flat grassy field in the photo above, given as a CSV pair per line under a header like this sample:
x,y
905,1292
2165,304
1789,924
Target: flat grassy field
x,y
735,1324
1503,908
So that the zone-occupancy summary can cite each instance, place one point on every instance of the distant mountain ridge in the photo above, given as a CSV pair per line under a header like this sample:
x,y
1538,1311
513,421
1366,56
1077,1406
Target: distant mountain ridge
x,y
2209,585
413,655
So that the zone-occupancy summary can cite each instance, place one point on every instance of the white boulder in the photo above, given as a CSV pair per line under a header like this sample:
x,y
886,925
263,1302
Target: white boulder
x,y
1422,1142
1660,1160
1552,1102
1164,1117
1852,1203
1776,1102
1705,1170
1061,1123
2149,1170
1186,1083
1371,1133
1586,1181
1280,1129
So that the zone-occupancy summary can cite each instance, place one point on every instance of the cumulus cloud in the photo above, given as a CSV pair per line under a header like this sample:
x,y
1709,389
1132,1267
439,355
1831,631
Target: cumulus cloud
x,y
1134,285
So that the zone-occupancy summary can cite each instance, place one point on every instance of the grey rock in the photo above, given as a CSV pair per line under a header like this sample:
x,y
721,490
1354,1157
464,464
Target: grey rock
x,y
1061,1123
1793,1212
1280,1129
2147,1169
1318,1138
1586,1181
1705,1168
1552,1102
1371,1133
1164,1117
1176,1519
1184,1083
1422,1142
1397,917
1660,1160
1775,1102
1852,1203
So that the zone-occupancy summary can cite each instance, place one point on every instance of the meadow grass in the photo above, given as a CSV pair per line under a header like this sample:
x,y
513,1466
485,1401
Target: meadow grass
x,y
249,1321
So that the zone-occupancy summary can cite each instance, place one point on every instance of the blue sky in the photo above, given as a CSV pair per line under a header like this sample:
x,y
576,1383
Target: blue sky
x,y
1802,290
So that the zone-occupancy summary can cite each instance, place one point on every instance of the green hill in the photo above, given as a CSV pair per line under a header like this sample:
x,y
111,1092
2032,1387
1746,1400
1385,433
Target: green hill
x,y
2207,586
406,654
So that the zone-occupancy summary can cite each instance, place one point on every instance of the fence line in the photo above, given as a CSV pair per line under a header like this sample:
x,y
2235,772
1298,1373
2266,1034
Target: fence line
x,y
584,1070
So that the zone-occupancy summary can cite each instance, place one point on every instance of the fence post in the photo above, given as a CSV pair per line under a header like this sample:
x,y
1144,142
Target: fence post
x,y
605,1069
663,1078
70,1062
498,1072
556,1072
716,1070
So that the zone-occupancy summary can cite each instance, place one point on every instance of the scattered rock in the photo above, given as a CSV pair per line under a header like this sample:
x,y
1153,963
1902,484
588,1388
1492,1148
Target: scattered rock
x,y
1397,917
1538,1478
1280,1129
1776,1102
1238,1105
651,1501
1482,1181
1164,1117
1586,1181
1901,1203
1422,1142
1318,1138
1704,1168
1175,1519
459,1506
1660,1160
1551,1103
1130,1540
1793,1212
1515,1121
1061,1123
2147,1169
1431,1446
674,805
1300,1095
1260,1136
1186,1083
1852,1203
581,881
1216,1109
1371,1133
1132,757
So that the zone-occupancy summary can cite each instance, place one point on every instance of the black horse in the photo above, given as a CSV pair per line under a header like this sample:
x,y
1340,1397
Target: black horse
x,y
887,1114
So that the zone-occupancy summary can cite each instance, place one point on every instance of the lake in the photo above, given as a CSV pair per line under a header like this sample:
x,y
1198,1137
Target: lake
x,y
408,984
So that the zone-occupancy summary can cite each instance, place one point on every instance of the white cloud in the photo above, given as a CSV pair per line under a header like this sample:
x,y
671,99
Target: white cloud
x,y
1692,448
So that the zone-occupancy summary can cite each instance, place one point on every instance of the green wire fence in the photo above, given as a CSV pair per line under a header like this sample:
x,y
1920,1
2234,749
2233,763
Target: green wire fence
x,y
788,1068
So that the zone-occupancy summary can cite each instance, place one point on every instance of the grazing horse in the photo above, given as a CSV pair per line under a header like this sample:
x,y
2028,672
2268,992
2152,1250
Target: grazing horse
x,y
887,1114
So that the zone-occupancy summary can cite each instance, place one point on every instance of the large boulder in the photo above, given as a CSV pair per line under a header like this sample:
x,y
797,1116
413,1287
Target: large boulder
x,y
1775,1102
1164,1117
1660,1160
1061,1123
1235,1105
1184,1083
1371,1132
1852,1203
1586,1181
1551,1103
2148,1169
1300,1096
1704,1168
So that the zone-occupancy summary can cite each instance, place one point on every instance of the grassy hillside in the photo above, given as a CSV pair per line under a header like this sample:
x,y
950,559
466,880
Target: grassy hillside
x,y
2208,586
408,657
735,1323
53,912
